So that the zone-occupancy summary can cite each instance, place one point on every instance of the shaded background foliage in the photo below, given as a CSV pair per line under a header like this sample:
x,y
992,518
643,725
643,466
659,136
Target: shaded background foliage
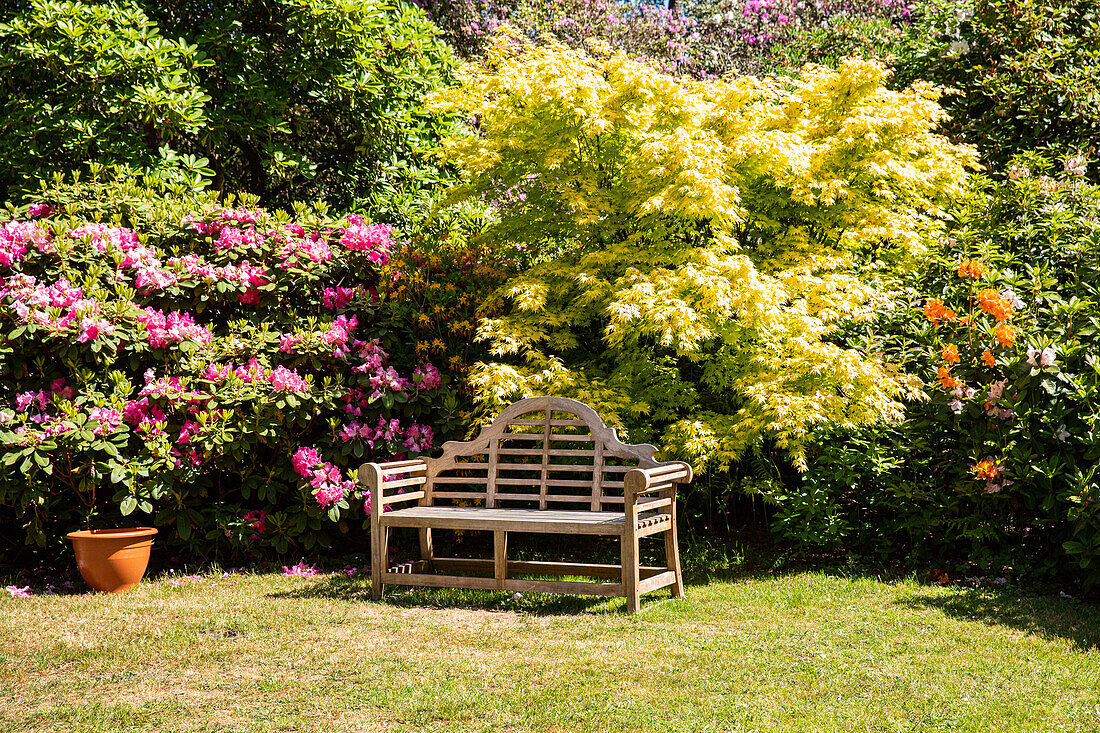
x,y
288,100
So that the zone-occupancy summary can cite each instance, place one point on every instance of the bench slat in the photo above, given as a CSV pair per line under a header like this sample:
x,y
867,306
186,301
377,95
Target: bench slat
x,y
414,481
508,520
557,452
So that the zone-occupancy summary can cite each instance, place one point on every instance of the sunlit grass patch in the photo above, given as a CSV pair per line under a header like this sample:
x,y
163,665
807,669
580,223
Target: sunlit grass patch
x,y
805,651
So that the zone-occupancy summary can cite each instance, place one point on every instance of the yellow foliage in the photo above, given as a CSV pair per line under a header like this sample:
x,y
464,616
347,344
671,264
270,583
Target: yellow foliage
x,y
698,242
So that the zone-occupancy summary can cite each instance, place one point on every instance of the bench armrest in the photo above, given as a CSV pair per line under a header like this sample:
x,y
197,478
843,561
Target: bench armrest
x,y
376,477
642,481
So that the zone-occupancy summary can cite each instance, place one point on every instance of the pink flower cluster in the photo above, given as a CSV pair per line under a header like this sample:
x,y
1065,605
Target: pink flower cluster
x,y
338,298
296,251
339,333
234,238
426,377
105,236
198,268
39,210
257,518
173,326
30,299
286,379
16,592
14,236
417,438
144,416
222,218
107,419
280,377
374,239
188,451
992,405
1044,358
287,341
325,478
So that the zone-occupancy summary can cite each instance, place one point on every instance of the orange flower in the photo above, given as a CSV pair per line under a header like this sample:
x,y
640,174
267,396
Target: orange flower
x,y
1006,334
943,376
951,354
934,309
991,302
971,269
986,469
988,359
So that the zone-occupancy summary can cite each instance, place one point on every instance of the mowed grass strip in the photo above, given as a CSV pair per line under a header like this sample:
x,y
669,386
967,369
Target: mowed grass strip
x,y
799,652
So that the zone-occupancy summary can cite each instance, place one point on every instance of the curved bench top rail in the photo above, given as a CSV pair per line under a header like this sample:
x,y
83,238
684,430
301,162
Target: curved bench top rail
x,y
565,451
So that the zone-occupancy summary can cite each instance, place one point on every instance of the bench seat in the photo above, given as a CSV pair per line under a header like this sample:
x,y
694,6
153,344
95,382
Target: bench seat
x,y
515,520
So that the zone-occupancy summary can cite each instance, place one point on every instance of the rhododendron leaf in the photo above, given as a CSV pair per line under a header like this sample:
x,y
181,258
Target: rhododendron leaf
x,y
128,505
183,526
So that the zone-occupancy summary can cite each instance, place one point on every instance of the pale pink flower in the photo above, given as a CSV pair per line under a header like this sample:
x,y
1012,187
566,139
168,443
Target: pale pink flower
x,y
286,379
287,341
1040,358
1075,166
16,592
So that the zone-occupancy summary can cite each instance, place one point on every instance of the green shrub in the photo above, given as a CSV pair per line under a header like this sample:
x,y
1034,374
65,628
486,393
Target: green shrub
x,y
288,100
1027,73
697,242
999,465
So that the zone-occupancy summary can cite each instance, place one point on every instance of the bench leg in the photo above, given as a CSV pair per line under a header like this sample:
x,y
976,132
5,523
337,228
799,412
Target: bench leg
x,y
379,558
630,567
500,557
672,559
427,549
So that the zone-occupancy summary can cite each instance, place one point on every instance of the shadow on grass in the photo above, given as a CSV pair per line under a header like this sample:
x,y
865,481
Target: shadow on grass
x,y
357,590
1046,617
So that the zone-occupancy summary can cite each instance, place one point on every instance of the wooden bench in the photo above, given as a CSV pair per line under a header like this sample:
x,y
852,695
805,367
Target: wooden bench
x,y
546,464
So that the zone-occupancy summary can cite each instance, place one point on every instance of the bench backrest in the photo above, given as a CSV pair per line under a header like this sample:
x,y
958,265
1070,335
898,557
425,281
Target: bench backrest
x,y
544,452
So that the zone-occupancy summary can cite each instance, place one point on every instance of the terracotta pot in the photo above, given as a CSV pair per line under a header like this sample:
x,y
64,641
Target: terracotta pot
x,y
112,560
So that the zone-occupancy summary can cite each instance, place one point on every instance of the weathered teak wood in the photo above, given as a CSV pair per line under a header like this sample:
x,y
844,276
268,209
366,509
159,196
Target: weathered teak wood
x,y
545,464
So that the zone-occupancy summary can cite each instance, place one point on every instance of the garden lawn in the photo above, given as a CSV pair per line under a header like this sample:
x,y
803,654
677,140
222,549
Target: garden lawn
x,y
797,652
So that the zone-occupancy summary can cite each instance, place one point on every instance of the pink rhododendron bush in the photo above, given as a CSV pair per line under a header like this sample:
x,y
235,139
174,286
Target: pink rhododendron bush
x,y
218,370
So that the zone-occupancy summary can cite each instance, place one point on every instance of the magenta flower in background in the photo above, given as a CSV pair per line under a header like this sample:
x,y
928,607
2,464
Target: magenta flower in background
x,y
301,570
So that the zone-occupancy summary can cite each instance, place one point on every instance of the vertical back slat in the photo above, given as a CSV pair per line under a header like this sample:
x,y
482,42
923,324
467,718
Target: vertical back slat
x,y
597,475
545,457
491,481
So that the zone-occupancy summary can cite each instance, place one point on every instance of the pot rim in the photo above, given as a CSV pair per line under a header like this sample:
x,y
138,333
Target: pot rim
x,y
124,533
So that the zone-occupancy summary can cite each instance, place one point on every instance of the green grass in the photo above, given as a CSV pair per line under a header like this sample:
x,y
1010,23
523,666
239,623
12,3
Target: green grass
x,y
789,652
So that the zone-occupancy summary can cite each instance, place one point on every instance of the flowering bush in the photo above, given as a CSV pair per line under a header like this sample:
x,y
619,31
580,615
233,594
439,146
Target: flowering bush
x,y
705,39
998,465
438,286
224,372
